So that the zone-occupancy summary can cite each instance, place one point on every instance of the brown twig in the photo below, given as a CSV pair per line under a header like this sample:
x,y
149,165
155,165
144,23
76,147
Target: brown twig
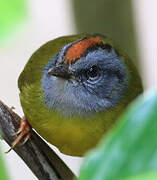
x,y
39,157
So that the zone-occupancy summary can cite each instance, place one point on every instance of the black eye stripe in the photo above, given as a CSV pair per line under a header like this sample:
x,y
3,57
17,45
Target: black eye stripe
x,y
106,46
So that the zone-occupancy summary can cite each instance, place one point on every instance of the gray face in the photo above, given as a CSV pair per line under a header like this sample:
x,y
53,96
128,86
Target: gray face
x,y
95,82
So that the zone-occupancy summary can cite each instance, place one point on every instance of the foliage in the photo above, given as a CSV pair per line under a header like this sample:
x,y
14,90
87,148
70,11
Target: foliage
x,y
3,174
11,14
129,151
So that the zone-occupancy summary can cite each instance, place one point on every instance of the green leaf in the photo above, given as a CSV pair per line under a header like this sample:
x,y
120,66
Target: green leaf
x,y
130,148
3,174
148,176
12,13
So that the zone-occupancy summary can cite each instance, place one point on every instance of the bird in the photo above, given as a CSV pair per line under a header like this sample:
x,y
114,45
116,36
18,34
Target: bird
x,y
73,89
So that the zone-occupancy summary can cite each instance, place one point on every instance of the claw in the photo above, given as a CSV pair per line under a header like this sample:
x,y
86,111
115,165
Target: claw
x,y
23,134
12,108
25,139
16,133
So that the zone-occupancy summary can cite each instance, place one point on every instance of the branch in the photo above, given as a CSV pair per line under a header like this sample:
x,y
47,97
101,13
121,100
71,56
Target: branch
x,y
38,156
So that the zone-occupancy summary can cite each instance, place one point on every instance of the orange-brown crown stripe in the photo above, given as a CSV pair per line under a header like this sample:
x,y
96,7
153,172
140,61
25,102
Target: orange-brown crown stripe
x,y
77,50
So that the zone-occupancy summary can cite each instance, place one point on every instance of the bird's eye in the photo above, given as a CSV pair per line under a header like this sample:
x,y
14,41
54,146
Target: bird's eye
x,y
92,72
90,75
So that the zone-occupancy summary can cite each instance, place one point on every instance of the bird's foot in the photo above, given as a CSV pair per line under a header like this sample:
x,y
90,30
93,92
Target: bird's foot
x,y
23,134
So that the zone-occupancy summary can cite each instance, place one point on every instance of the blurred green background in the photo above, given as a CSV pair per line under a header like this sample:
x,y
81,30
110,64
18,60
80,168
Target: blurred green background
x,y
12,13
3,172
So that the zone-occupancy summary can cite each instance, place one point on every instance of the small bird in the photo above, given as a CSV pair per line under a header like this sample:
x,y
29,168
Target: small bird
x,y
73,89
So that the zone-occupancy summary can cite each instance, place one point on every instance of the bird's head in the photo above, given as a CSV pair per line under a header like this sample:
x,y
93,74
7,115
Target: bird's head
x,y
86,76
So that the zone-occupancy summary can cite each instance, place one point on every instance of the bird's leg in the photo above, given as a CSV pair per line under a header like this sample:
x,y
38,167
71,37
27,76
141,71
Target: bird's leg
x,y
23,133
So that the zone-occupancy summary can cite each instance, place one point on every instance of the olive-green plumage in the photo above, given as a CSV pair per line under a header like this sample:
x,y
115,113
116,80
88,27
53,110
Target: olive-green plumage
x,y
72,135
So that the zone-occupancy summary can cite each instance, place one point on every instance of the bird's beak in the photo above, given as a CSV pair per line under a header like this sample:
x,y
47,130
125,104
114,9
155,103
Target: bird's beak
x,y
60,71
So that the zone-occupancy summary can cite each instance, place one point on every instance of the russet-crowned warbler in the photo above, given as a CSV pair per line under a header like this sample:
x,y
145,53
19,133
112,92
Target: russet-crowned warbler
x,y
73,89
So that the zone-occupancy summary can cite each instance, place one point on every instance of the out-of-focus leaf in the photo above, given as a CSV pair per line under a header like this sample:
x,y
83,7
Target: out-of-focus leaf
x,y
130,149
3,174
148,176
12,13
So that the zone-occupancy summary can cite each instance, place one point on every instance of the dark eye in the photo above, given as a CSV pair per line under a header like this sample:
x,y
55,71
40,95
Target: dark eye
x,y
92,72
